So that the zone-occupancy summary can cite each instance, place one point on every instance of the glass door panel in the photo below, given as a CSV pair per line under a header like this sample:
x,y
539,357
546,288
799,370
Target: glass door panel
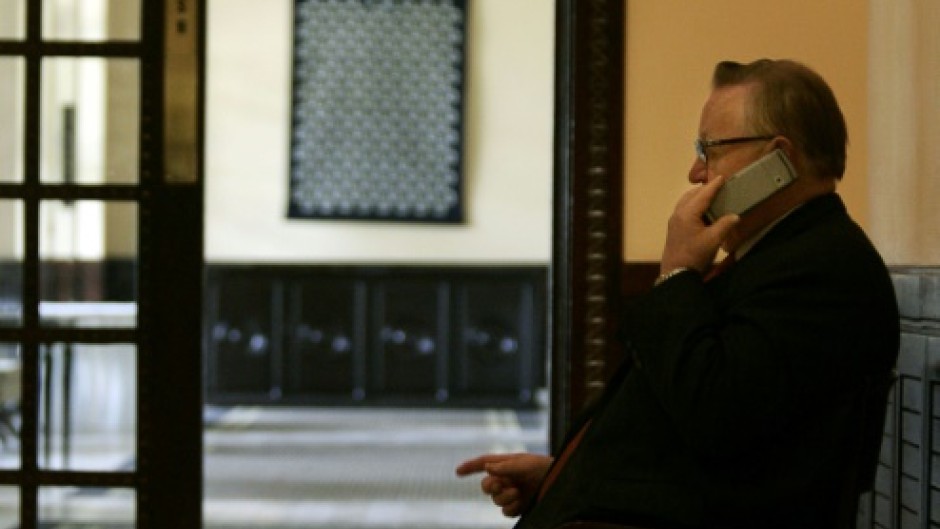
x,y
11,117
11,19
87,507
88,263
91,20
9,506
88,417
11,392
90,121
11,263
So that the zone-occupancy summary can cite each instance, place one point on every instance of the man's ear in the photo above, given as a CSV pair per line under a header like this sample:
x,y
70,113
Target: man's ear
x,y
783,143
786,145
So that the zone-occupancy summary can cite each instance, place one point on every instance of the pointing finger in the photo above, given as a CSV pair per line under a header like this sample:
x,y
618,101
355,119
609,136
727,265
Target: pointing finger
x,y
477,464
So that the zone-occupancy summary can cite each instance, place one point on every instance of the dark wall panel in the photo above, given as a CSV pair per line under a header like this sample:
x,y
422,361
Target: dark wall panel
x,y
324,335
240,336
410,332
432,335
494,348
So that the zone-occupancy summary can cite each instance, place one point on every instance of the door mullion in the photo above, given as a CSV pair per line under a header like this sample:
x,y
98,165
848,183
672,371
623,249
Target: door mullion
x,y
29,401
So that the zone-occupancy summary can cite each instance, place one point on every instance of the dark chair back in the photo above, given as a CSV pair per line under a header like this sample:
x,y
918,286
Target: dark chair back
x,y
872,432
861,478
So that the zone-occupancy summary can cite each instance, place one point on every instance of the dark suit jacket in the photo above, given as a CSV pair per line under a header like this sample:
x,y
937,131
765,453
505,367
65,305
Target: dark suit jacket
x,y
740,405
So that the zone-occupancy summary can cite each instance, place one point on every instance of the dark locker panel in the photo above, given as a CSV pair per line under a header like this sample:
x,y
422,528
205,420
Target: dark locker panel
x,y
494,342
241,336
326,337
410,333
375,335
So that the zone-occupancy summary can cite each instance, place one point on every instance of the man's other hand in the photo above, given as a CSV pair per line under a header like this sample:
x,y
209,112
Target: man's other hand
x,y
511,480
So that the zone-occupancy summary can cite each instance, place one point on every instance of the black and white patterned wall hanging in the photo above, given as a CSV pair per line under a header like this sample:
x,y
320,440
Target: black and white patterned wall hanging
x,y
377,130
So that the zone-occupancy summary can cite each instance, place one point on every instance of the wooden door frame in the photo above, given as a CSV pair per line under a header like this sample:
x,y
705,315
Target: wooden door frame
x,y
170,375
588,203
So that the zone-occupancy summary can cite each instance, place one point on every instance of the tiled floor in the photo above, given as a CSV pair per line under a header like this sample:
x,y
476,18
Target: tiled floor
x,y
314,468
349,468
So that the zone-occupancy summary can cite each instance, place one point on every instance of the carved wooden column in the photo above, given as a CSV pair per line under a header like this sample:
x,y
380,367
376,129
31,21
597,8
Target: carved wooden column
x,y
588,216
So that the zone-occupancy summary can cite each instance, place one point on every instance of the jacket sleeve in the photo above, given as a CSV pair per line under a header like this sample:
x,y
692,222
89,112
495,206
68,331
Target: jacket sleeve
x,y
731,376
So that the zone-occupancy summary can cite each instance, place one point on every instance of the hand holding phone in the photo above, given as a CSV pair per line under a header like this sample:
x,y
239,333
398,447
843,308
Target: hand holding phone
x,y
690,243
752,185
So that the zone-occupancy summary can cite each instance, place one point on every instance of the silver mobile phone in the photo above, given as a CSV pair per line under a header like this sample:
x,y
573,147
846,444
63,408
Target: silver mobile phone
x,y
752,185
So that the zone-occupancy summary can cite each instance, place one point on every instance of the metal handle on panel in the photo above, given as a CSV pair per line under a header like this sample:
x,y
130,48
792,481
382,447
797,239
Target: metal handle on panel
x,y
339,343
222,332
310,335
419,343
258,344
492,340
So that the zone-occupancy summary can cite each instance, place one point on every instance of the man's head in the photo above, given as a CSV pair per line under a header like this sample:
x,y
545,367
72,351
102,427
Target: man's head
x,y
790,100
765,105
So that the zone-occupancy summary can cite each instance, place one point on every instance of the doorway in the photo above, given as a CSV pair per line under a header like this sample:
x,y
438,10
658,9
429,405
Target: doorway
x,y
395,376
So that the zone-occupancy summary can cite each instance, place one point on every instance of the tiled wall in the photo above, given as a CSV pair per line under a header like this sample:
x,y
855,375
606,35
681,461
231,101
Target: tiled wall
x,y
907,486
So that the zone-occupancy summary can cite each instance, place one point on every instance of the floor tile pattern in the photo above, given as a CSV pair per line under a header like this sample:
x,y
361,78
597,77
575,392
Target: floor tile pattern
x,y
342,468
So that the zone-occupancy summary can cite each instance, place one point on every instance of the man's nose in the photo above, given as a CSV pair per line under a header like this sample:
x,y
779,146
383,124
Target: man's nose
x,y
698,173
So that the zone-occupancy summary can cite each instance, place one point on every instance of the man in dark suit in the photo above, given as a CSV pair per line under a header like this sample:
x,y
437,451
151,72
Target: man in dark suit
x,y
739,401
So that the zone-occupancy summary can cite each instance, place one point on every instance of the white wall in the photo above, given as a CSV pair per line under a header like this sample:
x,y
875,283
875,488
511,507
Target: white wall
x,y
508,146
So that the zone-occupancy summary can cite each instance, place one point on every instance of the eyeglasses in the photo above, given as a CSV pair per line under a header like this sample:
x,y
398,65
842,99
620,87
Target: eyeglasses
x,y
701,145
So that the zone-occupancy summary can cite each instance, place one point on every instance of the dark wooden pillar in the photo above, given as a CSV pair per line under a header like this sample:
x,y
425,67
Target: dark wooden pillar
x,y
588,216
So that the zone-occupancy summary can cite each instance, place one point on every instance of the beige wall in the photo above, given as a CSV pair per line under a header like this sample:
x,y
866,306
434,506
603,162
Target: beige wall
x,y
672,47
508,145
904,107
